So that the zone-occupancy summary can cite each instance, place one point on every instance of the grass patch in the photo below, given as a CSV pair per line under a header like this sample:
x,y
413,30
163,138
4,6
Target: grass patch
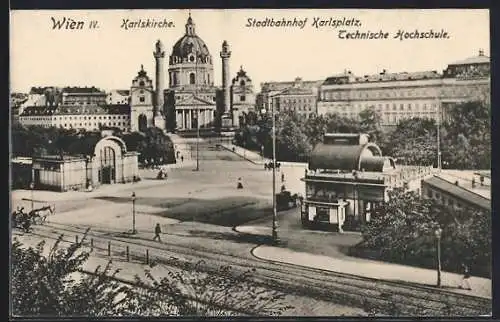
x,y
227,211
230,211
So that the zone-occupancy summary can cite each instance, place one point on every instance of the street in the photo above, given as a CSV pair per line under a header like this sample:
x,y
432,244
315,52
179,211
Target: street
x,y
197,212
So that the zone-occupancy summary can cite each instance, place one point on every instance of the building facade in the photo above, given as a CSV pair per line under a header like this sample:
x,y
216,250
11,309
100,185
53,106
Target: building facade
x,y
297,98
242,96
87,117
270,89
191,97
456,193
348,178
118,96
141,102
82,96
399,96
109,162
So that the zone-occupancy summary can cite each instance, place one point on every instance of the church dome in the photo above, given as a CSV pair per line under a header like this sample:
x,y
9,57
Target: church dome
x,y
190,43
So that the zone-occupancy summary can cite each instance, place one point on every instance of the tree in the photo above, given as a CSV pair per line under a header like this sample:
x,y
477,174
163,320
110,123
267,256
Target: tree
x,y
53,284
152,144
467,136
292,143
369,123
414,141
315,128
403,230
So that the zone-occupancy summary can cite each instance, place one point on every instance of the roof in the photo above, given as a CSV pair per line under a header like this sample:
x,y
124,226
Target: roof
x,y
340,157
41,90
241,74
56,158
296,91
190,43
192,100
381,77
123,92
82,90
459,192
480,59
279,86
117,108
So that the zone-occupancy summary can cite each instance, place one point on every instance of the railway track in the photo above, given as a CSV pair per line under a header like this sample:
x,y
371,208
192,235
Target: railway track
x,y
395,298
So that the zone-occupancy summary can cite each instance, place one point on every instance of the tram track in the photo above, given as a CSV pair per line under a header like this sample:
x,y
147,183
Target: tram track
x,y
292,279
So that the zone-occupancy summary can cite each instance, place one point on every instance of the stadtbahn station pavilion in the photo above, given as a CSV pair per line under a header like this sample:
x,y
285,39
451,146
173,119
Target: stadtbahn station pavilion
x,y
348,177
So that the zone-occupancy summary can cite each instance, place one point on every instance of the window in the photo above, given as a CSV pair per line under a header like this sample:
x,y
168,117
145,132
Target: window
x,y
142,99
401,107
242,98
192,79
141,83
242,83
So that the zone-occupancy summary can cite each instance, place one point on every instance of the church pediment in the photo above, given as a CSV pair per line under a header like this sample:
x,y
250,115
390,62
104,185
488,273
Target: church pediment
x,y
192,100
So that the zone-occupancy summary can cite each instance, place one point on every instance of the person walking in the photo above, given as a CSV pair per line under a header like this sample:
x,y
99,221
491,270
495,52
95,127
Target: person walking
x,y
282,177
465,280
157,233
182,158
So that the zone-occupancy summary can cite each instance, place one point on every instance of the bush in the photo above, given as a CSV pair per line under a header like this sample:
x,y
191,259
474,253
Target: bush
x,y
50,284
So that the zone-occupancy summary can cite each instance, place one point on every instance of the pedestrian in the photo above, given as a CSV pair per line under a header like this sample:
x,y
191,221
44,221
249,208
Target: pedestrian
x,y
182,158
157,233
240,185
282,177
465,280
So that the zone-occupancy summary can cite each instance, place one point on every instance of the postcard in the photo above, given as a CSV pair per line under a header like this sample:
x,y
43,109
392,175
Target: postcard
x,y
250,162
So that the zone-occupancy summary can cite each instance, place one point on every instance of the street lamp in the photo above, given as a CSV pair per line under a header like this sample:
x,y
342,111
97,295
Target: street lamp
x,y
275,224
32,187
133,213
438,233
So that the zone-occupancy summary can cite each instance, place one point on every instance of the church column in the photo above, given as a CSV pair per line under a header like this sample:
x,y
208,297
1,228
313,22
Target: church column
x,y
225,54
189,117
159,55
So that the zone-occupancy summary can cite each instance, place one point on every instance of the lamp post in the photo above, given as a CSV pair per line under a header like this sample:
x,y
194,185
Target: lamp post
x,y
133,213
438,125
438,233
197,114
32,187
275,224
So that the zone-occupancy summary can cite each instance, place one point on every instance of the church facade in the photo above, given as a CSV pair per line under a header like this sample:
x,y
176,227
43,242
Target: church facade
x,y
192,100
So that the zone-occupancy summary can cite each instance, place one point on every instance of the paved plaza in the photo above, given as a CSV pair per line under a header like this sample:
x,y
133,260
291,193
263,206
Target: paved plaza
x,y
199,209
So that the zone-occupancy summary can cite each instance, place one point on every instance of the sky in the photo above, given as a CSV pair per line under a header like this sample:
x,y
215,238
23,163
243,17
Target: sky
x,y
109,56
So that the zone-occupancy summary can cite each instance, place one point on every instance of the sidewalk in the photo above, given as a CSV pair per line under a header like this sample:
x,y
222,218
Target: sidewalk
x,y
248,155
481,287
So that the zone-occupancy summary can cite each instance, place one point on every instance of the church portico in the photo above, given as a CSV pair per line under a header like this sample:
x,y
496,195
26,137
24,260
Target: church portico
x,y
192,111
